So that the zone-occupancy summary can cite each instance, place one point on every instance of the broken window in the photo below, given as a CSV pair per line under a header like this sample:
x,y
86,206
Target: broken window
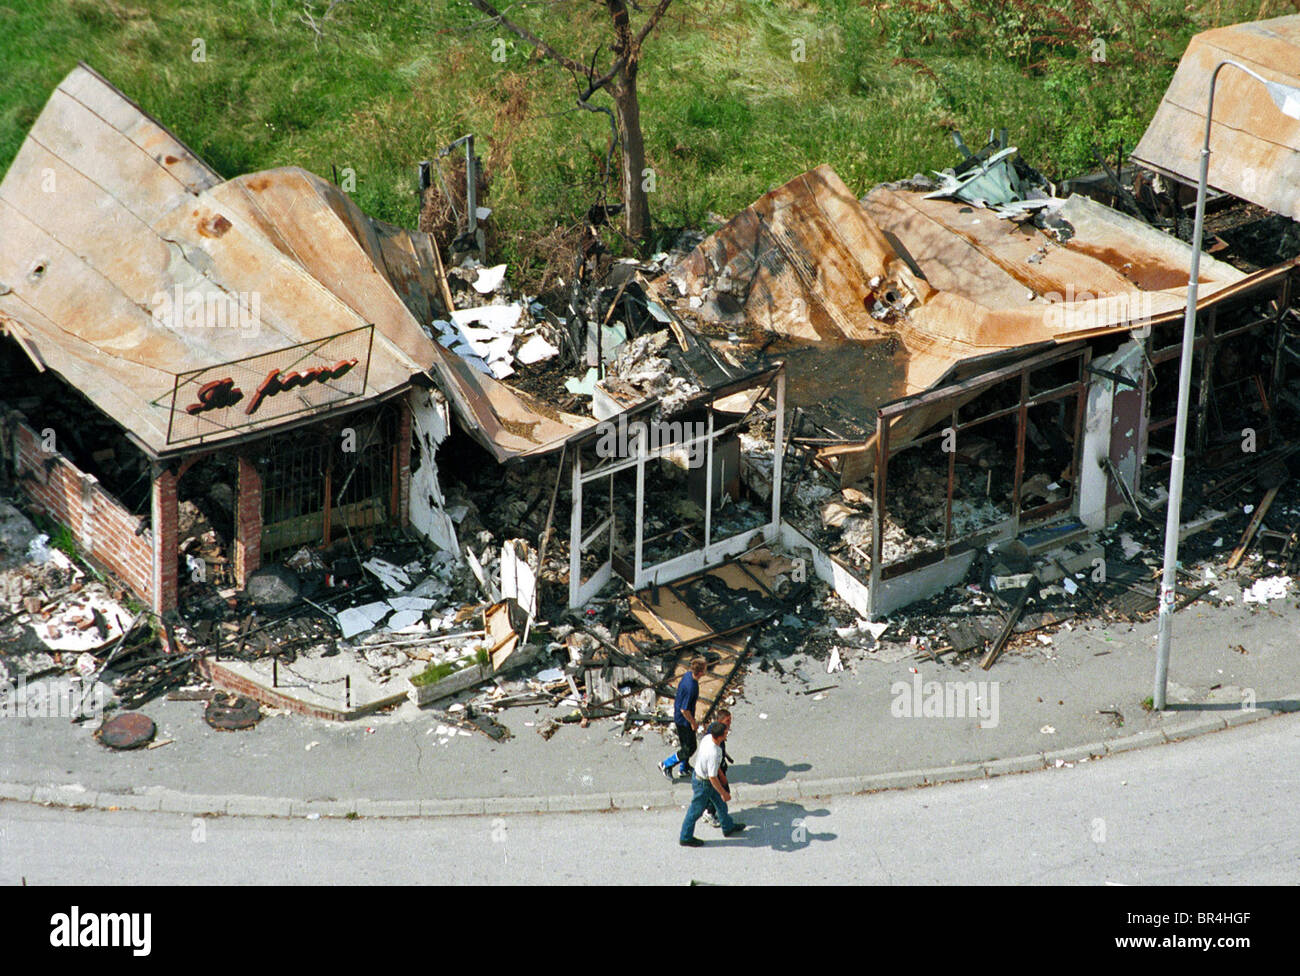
x,y
1238,362
655,497
996,454
321,482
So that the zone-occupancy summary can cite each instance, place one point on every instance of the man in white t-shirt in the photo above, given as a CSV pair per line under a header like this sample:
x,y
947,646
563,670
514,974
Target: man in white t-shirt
x,y
709,788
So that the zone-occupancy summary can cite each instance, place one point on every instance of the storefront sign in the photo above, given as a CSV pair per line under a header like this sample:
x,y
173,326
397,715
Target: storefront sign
x,y
258,389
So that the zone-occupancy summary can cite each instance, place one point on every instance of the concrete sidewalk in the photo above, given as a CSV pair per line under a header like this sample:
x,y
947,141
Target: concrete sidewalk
x,y
807,734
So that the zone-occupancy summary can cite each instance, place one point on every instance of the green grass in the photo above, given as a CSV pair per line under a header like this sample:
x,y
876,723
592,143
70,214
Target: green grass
x,y
65,541
436,672
61,537
729,109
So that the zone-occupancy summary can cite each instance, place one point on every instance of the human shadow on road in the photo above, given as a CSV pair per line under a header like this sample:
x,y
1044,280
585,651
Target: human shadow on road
x,y
763,769
783,827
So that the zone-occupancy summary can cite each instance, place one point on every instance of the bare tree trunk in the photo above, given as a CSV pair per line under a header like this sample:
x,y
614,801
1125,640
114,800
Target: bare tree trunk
x,y
636,205
620,82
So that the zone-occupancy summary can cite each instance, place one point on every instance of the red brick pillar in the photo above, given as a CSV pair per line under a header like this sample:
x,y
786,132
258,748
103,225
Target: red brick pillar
x,y
248,521
166,590
404,465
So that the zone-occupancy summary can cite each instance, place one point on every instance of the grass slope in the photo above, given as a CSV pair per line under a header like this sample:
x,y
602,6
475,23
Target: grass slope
x,y
737,95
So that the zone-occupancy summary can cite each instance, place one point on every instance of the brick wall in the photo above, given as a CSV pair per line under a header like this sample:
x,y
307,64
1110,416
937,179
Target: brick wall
x,y
248,521
225,678
166,590
108,534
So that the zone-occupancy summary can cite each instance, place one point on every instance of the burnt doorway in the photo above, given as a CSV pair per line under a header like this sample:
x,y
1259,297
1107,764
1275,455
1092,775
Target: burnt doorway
x,y
326,481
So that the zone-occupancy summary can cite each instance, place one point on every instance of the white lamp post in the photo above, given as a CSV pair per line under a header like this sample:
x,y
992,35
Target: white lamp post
x,y
1287,99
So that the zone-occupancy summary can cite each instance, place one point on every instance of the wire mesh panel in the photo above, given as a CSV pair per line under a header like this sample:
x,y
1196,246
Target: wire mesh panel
x,y
363,472
294,487
330,479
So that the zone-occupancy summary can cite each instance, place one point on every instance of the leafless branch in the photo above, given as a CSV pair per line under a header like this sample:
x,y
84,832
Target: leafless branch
x,y
307,17
525,34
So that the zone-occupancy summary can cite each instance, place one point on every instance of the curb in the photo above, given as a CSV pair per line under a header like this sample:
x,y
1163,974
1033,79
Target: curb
x,y
791,791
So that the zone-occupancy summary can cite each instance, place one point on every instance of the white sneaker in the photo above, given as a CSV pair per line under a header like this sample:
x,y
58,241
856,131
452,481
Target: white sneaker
x,y
710,819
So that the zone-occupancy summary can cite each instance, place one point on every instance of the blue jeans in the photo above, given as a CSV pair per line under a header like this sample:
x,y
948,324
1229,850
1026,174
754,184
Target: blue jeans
x,y
705,795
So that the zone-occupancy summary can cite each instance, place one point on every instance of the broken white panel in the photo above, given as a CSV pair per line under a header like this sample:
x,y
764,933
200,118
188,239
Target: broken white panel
x,y
430,586
585,386
536,350
484,580
1130,545
498,357
874,629
489,279
498,318
404,604
393,577
430,425
518,578
498,347
612,339
357,620
483,213
405,620
476,339
656,310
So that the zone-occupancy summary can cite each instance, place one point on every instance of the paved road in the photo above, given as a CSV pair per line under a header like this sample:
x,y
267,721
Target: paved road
x,y
1086,685
1220,809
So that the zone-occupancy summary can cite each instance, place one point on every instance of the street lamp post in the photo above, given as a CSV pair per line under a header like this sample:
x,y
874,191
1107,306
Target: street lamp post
x,y
1287,99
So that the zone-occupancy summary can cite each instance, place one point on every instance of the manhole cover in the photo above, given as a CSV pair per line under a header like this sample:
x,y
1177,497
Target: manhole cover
x,y
130,730
229,712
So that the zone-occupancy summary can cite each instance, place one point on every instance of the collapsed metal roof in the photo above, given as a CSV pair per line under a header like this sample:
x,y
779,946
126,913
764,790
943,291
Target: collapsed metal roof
x,y
1254,148
105,216
936,283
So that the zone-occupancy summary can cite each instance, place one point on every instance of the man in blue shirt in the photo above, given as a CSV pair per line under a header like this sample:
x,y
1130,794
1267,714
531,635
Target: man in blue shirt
x,y
688,693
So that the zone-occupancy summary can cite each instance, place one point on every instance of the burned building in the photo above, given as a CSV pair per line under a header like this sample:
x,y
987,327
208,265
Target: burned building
x,y
208,377
240,357
962,376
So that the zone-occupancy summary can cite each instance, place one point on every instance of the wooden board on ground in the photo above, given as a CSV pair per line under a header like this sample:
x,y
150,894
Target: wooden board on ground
x,y
1248,536
663,613
724,656
737,578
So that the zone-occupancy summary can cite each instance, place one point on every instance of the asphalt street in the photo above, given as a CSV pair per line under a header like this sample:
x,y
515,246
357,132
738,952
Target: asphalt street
x,y
1219,809
1085,686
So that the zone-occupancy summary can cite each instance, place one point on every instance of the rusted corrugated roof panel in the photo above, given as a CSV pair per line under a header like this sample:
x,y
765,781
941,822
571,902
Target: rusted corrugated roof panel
x,y
384,274
945,281
941,282
1254,148
103,211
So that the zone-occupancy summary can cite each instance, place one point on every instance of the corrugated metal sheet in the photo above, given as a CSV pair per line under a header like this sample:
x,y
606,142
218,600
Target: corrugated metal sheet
x,y
103,210
809,262
1254,148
